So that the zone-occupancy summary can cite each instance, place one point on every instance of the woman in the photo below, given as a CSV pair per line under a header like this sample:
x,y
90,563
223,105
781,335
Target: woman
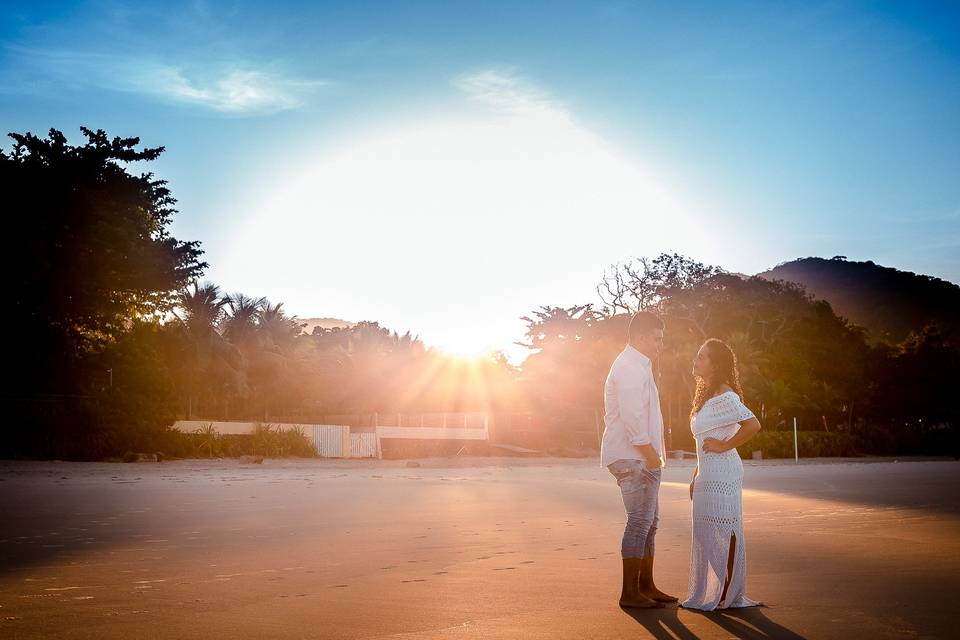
x,y
720,423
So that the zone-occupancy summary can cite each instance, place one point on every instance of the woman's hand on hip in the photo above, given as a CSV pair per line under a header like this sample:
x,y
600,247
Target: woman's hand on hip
x,y
712,445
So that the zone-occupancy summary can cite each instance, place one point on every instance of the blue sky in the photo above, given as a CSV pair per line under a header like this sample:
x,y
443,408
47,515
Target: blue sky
x,y
434,165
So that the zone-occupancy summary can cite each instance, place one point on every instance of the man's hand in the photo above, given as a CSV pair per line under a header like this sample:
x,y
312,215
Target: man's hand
x,y
654,462
712,445
692,482
651,459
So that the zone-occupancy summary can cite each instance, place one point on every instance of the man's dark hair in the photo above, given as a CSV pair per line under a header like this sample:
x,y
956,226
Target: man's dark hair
x,y
643,323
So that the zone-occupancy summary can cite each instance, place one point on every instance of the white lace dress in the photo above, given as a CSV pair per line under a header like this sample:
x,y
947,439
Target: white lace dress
x,y
717,511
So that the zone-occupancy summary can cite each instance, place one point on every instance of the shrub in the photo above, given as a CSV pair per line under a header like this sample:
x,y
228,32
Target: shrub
x,y
811,444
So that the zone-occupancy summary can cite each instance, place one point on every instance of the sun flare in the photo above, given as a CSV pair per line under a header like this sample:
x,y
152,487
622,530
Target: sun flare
x,y
456,226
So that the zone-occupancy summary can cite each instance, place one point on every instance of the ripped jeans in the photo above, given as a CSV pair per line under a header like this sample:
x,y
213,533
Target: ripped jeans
x,y
640,488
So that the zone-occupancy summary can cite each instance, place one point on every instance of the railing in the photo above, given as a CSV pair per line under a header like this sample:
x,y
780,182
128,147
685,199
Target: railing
x,y
473,420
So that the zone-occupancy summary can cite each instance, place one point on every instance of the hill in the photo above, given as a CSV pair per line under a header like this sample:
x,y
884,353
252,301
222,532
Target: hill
x,y
888,302
326,323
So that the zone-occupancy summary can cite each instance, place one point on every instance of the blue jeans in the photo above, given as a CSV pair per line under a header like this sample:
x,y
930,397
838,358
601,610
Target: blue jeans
x,y
640,488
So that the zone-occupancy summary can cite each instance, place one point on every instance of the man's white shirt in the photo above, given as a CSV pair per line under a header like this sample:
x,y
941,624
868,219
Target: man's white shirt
x,y
631,409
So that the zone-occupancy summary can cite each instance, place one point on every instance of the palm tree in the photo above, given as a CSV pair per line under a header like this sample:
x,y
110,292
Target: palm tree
x,y
276,328
214,364
239,325
277,357
200,309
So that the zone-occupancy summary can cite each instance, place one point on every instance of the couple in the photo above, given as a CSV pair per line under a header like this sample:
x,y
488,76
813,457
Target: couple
x,y
633,451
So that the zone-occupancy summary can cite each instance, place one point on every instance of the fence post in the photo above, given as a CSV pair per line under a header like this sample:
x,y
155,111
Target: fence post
x,y
796,449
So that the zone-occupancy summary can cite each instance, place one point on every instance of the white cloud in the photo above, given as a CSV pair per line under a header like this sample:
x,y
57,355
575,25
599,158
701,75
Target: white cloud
x,y
226,87
234,91
508,93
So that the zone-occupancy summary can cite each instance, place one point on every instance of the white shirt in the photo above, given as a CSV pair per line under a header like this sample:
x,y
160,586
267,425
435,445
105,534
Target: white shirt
x,y
631,409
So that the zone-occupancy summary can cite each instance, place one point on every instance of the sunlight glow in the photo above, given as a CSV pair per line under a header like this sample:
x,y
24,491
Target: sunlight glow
x,y
454,227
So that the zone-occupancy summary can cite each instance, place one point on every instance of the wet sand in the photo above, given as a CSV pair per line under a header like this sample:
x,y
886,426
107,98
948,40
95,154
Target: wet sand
x,y
477,548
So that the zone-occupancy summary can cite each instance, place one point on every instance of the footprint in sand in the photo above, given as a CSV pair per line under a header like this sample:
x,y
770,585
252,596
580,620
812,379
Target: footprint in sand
x,y
439,573
415,580
527,562
483,558
390,567
560,549
339,586
503,568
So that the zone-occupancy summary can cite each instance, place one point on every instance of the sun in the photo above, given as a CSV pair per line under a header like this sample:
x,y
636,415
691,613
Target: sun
x,y
466,351
454,227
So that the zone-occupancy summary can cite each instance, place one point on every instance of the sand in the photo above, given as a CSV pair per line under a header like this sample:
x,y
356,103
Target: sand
x,y
477,548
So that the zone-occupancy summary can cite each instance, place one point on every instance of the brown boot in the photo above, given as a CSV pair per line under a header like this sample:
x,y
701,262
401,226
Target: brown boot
x,y
630,596
646,586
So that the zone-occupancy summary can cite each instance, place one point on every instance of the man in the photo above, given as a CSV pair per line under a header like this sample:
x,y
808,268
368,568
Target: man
x,y
632,450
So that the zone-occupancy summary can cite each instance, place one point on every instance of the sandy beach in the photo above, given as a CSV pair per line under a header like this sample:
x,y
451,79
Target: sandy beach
x,y
463,548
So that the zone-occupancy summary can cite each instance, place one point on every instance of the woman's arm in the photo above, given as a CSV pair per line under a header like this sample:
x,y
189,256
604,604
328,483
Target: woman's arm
x,y
748,429
696,472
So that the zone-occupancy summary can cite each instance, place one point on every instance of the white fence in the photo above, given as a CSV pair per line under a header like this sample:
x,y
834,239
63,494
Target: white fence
x,y
331,440
364,445
336,441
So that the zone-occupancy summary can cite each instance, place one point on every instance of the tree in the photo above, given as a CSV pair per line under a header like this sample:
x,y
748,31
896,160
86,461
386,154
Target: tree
x,y
211,365
94,256
644,283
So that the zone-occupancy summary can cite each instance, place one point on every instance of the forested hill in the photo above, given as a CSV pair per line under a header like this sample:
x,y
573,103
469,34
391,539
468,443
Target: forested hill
x,y
888,302
324,323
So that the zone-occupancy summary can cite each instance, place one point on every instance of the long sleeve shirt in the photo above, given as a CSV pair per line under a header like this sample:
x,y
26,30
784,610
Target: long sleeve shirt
x,y
631,409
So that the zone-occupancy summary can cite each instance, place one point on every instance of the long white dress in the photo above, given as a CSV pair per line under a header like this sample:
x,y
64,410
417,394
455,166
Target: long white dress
x,y
717,510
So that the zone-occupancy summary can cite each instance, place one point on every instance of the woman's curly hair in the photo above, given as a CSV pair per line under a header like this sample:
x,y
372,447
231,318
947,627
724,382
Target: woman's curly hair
x,y
724,364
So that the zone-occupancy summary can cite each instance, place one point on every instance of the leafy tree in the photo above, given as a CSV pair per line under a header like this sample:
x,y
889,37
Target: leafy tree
x,y
644,283
94,252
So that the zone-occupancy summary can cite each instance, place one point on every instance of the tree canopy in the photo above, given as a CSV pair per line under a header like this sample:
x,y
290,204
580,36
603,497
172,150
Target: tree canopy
x,y
92,251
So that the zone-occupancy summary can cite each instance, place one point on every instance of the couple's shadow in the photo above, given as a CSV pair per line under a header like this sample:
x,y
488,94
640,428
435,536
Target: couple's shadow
x,y
750,623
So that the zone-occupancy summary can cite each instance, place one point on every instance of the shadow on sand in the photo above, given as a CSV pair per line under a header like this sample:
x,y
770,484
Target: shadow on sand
x,y
744,624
